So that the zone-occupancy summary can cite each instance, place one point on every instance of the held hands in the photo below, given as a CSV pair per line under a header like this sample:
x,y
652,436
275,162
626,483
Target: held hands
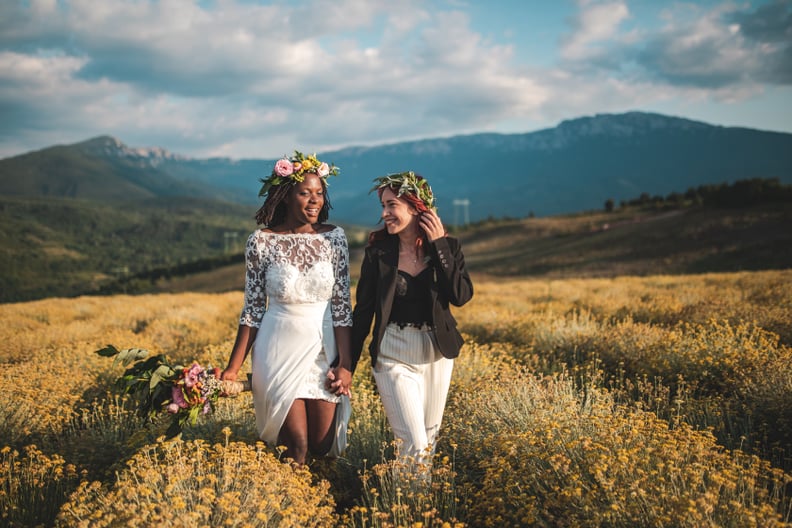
x,y
339,380
431,224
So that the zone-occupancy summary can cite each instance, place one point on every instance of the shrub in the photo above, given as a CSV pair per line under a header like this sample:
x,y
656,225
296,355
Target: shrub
x,y
32,486
190,483
539,451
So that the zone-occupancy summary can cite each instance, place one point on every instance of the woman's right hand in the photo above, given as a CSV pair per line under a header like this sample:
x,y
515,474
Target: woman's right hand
x,y
228,375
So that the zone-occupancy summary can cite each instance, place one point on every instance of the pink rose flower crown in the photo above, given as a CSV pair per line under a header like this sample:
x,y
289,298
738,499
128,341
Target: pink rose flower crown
x,y
293,169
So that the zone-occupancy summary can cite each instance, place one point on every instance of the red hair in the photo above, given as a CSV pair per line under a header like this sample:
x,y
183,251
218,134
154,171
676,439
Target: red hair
x,y
411,199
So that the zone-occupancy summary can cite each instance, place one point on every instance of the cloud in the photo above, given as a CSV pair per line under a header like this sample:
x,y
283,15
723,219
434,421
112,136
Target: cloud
x,y
723,48
768,23
239,71
726,49
595,24
769,30
699,50
34,88
245,79
617,60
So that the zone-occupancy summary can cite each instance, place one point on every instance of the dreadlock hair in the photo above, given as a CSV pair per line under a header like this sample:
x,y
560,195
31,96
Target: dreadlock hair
x,y
273,212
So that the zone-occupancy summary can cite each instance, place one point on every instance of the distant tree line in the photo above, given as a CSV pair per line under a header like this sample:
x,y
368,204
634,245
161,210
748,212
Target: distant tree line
x,y
742,193
142,280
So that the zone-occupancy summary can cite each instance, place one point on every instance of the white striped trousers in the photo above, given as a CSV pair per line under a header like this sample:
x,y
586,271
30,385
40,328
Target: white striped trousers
x,y
413,378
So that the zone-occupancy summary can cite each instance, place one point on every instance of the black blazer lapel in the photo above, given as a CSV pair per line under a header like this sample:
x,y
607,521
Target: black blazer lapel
x,y
388,268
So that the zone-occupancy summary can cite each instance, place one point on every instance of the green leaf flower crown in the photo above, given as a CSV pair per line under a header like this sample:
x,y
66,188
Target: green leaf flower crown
x,y
407,182
293,169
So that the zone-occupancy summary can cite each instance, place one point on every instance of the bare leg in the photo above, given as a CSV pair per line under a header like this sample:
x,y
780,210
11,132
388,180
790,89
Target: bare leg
x,y
294,432
321,417
308,426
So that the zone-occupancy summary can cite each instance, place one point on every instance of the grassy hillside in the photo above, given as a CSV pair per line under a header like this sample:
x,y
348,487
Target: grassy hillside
x,y
629,241
55,247
101,169
635,241
66,172
61,247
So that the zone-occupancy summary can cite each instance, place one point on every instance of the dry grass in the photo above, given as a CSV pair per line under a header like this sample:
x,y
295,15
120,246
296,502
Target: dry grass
x,y
548,451
655,401
191,483
634,242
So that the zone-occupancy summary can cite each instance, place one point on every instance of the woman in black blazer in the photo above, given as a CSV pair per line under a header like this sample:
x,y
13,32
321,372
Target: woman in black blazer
x,y
411,272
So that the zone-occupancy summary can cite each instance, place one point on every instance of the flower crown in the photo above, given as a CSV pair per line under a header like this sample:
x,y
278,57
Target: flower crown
x,y
407,182
294,169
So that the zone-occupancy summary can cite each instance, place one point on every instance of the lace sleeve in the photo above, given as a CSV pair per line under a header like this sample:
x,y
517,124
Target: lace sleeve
x,y
255,298
340,303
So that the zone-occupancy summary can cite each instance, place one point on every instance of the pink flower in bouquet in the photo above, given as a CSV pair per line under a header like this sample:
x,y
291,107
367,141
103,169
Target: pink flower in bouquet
x,y
283,168
178,397
323,170
192,390
193,375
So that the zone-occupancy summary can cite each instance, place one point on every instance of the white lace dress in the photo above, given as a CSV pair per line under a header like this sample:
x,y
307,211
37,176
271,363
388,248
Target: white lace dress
x,y
296,291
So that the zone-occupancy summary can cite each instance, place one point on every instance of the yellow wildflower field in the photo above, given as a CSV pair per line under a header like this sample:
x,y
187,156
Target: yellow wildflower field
x,y
632,401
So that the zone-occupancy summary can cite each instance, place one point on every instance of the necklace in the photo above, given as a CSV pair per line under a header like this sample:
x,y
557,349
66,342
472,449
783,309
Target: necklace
x,y
411,255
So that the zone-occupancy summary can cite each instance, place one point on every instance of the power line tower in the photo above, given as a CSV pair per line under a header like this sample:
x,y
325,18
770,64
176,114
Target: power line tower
x,y
230,241
462,204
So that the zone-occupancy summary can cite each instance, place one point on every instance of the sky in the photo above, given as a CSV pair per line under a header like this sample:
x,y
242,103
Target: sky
x,y
256,79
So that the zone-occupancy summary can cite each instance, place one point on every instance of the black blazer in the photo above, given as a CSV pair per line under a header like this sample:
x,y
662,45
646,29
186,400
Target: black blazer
x,y
377,284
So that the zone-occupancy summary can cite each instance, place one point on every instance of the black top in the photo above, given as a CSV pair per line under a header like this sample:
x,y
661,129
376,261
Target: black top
x,y
450,284
412,302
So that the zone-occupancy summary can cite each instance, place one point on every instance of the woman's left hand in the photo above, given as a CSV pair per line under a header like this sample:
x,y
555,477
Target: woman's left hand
x,y
432,225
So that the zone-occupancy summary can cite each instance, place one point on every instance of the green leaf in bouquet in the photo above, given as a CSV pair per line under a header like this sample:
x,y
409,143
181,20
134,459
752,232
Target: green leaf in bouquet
x,y
127,381
108,351
194,412
174,429
143,369
128,355
163,373
159,396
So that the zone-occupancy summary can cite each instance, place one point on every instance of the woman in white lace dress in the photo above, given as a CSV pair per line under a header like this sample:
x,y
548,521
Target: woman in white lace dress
x,y
296,317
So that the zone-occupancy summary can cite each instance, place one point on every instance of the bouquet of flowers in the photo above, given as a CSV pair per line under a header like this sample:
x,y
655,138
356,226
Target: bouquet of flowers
x,y
186,392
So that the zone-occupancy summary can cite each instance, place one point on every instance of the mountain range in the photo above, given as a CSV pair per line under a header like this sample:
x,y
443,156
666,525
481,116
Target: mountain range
x,y
99,215
575,166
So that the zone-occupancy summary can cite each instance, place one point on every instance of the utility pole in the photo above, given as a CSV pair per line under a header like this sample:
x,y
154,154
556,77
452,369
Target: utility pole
x,y
229,241
464,205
